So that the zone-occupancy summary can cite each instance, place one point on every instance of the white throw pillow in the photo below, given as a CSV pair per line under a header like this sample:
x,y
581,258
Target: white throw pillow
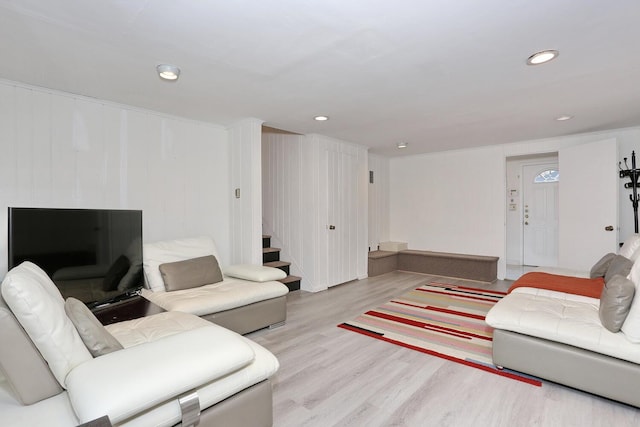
x,y
154,254
631,247
631,325
37,304
255,273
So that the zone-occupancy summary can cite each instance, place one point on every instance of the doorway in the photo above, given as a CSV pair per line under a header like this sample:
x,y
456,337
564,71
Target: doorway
x,y
535,204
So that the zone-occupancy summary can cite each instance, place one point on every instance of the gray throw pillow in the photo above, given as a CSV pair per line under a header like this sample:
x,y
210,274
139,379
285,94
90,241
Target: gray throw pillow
x,y
615,302
94,336
600,268
190,273
619,265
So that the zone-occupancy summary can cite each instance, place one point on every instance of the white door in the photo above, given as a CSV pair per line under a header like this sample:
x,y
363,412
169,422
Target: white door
x,y
588,203
540,214
342,209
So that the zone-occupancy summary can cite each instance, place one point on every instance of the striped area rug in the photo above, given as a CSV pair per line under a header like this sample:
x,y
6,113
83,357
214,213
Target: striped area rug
x,y
441,320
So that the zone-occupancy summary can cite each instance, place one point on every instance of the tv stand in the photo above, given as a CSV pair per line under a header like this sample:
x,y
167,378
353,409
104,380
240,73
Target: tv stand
x,y
132,307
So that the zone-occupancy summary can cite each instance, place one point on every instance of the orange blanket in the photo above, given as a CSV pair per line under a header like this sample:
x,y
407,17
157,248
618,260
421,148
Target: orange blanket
x,y
554,282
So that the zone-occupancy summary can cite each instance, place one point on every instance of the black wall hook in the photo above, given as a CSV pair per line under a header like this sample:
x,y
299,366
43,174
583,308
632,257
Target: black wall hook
x,y
633,174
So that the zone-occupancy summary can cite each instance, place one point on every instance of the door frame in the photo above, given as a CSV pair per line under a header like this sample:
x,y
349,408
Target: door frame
x,y
520,160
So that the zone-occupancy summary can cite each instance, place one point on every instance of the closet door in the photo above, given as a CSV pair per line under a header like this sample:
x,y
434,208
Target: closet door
x,y
342,221
588,217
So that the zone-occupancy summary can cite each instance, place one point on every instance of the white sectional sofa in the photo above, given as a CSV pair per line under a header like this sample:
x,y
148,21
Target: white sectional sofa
x,y
592,344
61,368
246,297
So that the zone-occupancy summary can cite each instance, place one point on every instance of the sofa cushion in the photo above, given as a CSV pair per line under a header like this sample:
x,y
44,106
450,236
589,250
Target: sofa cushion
x,y
154,254
615,302
190,273
98,341
631,247
152,328
255,273
619,265
226,295
599,269
38,306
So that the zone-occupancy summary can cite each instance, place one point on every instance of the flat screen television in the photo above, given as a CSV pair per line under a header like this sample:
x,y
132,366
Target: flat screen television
x,y
91,254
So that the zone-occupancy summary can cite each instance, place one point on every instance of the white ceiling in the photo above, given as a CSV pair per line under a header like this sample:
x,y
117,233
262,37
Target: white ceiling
x,y
438,74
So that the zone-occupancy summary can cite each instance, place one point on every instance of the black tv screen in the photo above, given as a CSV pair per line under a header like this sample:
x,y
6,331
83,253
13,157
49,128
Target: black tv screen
x,y
90,254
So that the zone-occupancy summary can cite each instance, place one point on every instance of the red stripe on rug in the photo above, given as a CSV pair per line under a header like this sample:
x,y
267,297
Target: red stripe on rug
x,y
454,295
459,313
466,288
443,356
416,323
531,381
486,291
441,310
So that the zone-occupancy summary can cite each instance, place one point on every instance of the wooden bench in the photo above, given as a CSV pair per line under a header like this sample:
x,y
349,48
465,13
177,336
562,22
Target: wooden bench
x,y
473,267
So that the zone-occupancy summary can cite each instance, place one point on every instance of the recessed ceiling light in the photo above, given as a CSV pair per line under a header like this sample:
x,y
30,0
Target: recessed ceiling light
x,y
542,57
168,72
564,118
402,145
321,118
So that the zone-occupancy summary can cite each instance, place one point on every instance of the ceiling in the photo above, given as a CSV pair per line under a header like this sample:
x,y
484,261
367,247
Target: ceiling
x,y
437,74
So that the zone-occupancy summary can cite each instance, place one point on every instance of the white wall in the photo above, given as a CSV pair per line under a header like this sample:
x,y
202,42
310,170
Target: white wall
x,y
62,150
455,201
378,201
295,204
450,202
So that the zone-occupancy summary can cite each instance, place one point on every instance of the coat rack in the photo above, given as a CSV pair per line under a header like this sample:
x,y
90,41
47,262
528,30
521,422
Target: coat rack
x,y
633,174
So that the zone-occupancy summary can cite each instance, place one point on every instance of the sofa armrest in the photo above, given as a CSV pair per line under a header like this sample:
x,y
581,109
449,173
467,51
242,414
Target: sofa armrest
x,y
254,273
129,381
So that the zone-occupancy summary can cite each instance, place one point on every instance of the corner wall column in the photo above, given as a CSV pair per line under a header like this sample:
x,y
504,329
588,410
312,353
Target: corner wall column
x,y
246,177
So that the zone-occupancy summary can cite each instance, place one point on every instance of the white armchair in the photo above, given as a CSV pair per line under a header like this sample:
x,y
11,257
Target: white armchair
x,y
172,367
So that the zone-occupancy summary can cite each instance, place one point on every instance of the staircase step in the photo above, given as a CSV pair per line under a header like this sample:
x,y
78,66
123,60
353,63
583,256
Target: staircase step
x,y
282,265
270,254
292,282
266,240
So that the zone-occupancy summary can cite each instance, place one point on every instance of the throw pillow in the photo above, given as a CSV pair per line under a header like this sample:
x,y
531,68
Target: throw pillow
x,y
619,265
95,336
190,273
255,273
615,302
600,268
115,273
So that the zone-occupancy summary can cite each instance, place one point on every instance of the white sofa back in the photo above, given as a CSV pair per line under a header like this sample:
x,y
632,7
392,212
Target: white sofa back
x,y
155,254
631,247
39,307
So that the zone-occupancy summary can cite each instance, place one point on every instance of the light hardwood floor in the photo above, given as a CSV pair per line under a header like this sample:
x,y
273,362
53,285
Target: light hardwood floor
x,y
332,377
